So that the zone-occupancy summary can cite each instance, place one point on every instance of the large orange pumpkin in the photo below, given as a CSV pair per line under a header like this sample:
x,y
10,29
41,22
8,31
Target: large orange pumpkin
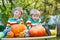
x,y
22,27
37,31
16,29
10,34
17,35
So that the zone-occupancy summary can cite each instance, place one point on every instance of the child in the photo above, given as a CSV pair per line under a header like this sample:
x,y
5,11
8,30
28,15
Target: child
x,y
17,12
34,19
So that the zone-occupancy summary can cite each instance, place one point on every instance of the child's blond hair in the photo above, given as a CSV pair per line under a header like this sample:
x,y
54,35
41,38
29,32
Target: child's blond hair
x,y
17,8
34,11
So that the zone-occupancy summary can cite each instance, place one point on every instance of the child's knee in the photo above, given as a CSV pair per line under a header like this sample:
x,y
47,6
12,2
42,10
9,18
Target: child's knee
x,y
5,31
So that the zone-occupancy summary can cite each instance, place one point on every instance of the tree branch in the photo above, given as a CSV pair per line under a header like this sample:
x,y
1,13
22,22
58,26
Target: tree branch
x,y
3,4
28,4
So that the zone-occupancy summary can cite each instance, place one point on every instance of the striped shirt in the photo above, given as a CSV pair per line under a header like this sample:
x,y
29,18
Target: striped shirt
x,y
13,21
33,22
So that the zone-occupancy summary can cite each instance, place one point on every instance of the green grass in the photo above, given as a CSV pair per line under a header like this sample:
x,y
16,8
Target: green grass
x,y
54,39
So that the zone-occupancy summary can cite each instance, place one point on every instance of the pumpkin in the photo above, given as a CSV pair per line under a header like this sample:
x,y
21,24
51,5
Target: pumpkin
x,y
17,35
53,31
10,34
16,29
22,27
21,34
37,31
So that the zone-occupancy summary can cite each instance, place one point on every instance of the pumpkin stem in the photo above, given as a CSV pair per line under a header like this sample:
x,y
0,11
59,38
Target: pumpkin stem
x,y
21,21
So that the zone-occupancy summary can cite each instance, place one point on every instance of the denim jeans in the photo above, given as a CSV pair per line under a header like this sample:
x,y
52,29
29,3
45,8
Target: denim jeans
x,y
6,30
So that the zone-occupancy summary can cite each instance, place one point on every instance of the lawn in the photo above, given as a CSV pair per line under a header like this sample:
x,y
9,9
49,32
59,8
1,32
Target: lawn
x,y
57,38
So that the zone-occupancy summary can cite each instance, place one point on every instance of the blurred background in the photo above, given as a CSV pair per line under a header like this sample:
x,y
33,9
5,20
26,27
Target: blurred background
x,y
50,10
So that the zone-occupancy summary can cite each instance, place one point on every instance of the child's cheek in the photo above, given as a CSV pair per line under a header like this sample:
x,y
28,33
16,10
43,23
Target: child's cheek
x,y
16,17
37,17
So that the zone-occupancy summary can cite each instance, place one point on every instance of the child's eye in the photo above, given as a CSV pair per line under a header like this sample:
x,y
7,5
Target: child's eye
x,y
16,12
36,15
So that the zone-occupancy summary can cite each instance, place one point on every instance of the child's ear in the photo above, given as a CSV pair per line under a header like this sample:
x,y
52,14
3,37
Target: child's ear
x,y
39,15
12,14
30,16
22,15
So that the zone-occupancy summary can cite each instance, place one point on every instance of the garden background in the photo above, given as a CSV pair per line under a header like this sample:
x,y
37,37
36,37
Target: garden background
x,y
46,7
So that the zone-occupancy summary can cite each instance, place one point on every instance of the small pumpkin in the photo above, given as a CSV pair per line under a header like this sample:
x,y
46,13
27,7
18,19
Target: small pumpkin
x,y
10,34
21,34
53,31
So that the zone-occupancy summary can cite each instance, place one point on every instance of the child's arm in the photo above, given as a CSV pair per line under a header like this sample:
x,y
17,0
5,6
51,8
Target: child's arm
x,y
28,23
7,29
8,24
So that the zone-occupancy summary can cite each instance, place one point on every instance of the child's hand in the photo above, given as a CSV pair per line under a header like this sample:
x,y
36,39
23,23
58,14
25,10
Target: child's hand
x,y
46,27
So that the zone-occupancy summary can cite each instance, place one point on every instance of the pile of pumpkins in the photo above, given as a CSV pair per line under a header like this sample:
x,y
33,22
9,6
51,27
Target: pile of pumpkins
x,y
18,31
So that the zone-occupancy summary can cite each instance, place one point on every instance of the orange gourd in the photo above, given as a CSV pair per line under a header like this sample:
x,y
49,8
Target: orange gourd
x,y
37,31
10,34
17,35
22,27
16,29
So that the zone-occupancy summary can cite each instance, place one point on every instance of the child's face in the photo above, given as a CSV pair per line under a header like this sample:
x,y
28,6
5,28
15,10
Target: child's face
x,y
35,17
17,14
